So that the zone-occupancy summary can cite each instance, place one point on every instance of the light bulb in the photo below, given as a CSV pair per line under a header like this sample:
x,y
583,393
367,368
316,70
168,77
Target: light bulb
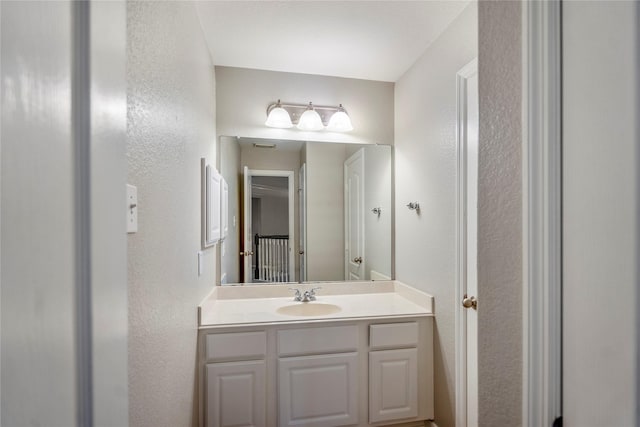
x,y
279,118
340,121
310,120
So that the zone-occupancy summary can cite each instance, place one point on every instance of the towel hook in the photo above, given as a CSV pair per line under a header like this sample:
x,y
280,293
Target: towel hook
x,y
414,206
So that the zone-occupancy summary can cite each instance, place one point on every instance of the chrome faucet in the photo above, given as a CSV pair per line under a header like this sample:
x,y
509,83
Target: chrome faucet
x,y
306,296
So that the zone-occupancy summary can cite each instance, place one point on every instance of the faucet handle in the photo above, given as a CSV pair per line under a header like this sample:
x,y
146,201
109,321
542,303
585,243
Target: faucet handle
x,y
297,296
312,291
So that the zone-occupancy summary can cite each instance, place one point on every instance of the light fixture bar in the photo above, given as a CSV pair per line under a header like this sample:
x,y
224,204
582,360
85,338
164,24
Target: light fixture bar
x,y
296,110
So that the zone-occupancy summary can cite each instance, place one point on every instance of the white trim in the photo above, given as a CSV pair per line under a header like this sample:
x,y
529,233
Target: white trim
x,y
291,186
302,213
542,213
461,242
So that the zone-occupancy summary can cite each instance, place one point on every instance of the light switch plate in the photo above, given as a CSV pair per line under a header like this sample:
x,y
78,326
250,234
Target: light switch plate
x,y
132,209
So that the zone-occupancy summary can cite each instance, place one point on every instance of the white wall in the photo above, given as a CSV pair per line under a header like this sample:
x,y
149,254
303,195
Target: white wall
x,y
377,193
500,214
171,125
41,217
425,167
275,216
246,94
325,211
601,230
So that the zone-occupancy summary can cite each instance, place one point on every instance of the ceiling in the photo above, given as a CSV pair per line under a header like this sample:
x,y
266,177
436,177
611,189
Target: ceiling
x,y
372,40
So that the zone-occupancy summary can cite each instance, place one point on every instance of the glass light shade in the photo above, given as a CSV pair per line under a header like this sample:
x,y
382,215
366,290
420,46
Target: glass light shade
x,y
279,118
340,122
310,120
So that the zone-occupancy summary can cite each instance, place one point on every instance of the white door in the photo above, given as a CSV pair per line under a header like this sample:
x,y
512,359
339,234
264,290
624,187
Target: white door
x,y
302,200
247,244
354,216
467,316
472,249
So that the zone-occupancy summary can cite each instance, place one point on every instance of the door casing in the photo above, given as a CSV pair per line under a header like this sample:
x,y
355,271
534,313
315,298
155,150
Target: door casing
x,y
247,243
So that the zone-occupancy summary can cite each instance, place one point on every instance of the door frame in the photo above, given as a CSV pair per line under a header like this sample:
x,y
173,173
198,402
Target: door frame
x,y
542,213
291,208
302,220
461,242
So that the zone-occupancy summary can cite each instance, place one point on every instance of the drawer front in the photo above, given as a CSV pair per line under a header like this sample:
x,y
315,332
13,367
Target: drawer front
x,y
393,335
242,345
333,339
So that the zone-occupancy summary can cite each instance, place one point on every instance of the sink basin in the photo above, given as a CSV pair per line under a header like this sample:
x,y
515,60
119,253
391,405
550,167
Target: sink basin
x,y
309,309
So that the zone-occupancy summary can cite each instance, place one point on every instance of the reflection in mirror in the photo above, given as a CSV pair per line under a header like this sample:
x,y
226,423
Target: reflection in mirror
x,y
305,211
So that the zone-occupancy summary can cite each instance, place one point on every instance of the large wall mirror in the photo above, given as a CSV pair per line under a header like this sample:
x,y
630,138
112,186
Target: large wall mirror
x,y
306,211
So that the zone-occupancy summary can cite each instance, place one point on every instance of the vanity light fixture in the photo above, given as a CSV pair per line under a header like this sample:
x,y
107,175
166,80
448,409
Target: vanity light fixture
x,y
308,117
278,117
340,121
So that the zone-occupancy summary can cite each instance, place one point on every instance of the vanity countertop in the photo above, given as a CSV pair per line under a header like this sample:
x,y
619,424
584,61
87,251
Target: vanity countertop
x,y
258,304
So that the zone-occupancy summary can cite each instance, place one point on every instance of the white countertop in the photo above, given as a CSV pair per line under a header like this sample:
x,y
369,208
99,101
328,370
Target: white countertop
x,y
258,304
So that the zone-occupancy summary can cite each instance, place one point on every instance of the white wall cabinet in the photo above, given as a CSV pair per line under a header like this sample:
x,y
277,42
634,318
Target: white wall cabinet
x,y
366,373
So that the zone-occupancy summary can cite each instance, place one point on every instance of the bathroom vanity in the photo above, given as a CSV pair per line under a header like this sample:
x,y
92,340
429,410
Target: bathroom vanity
x,y
361,354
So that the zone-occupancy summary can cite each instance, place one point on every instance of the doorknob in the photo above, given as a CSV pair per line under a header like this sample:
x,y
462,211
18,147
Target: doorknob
x,y
358,260
469,302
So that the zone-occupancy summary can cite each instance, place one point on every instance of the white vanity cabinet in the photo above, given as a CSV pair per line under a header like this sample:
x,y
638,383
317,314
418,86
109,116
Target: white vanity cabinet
x,y
370,372
236,394
393,371
318,376
235,387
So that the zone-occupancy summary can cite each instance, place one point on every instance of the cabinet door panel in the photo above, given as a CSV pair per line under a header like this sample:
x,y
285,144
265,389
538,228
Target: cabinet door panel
x,y
393,385
318,391
236,394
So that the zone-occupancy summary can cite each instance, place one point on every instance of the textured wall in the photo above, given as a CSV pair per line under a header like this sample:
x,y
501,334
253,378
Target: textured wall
x,y
499,214
171,125
425,143
247,93
601,163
